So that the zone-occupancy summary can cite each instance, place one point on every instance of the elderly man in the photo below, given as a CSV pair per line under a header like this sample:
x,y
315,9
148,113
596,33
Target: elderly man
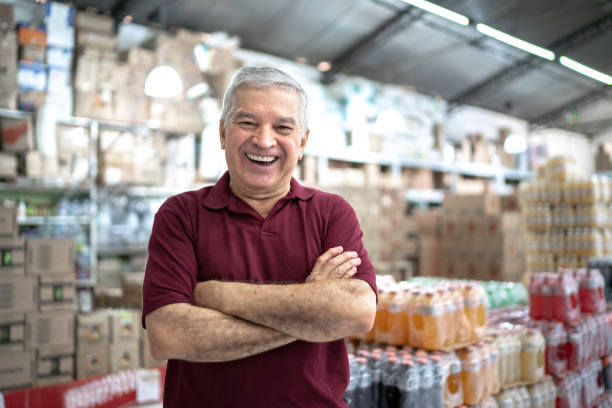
x,y
252,284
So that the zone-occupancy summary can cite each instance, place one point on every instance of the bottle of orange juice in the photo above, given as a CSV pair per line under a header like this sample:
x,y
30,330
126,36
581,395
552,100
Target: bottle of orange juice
x,y
493,373
471,381
397,318
474,300
416,329
381,322
453,392
448,321
532,355
463,328
432,311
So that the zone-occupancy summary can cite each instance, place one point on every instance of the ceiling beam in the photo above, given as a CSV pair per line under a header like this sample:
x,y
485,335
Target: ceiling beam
x,y
575,39
400,21
549,118
138,9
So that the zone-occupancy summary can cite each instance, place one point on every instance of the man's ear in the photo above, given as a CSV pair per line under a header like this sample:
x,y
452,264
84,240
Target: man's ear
x,y
303,143
222,134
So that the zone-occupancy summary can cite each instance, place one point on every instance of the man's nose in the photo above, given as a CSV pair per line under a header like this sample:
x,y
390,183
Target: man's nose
x,y
265,138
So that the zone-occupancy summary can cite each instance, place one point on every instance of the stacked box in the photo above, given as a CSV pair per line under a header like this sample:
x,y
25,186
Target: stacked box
x,y
131,158
431,255
95,66
32,71
8,64
92,356
72,153
124,350
16,135
131,104
18,299
51,328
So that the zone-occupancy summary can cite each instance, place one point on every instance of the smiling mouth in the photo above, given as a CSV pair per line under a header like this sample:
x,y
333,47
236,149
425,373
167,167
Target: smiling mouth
x,y
261,160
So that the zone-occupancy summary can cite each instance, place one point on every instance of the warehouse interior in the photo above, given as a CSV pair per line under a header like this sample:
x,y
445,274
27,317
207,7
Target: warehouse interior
x,y
472,139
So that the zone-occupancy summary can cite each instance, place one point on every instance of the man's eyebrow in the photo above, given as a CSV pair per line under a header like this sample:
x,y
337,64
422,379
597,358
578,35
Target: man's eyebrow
x,y
287,119
243,114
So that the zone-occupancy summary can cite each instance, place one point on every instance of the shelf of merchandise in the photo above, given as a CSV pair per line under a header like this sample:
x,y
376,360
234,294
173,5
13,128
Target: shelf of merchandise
x,y
122,250
55,220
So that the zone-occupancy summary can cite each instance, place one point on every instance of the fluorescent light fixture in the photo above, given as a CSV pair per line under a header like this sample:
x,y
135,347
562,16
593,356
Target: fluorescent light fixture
x,y
515,144
440,11
516,42
586,71
163,82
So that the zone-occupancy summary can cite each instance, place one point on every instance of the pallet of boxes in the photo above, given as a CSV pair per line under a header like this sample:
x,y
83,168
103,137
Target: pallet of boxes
x,y
482,237
37,311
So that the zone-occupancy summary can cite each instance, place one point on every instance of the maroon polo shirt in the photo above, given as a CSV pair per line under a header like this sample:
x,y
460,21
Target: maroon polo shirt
x,y
212,234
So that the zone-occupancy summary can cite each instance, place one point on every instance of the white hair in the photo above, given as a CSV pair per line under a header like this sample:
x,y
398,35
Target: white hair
x,y
263,77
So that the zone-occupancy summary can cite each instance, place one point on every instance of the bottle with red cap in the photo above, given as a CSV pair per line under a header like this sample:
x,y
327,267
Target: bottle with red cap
x,y
591,292
556,348
567,309
535,296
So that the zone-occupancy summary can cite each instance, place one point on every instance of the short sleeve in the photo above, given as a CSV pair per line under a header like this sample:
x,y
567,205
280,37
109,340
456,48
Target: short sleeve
x,y
171,272
344,230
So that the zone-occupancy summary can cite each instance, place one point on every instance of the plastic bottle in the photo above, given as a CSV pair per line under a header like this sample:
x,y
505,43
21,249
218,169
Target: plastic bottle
x,y
453,391
463,328
575,347
397,318
448,317
350,393
381,321
556,349
566,298
515,357
376,370
437,388
591,292
536,397
535,296
470,376
390,396
363,394
501,343
416,330
432,312
532,356
474,300
408,385
493,373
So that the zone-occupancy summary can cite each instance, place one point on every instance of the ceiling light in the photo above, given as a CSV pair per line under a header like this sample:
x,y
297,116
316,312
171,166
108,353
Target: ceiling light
x,y
586,71
127,19
516,42
515,144
301,60
163,82
440,11
324,66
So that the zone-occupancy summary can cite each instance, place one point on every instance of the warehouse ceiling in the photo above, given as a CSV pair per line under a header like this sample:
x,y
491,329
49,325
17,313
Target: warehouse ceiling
x,y
392,42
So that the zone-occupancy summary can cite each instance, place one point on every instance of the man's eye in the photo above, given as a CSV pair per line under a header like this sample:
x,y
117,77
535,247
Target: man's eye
x,y
247,123
284,129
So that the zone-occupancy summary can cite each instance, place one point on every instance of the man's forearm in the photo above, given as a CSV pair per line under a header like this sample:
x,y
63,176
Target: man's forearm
x,y
323,310
183,331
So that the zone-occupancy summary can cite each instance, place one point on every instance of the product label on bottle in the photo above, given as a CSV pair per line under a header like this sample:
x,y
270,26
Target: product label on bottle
x,y
553,340
433,310
449,306
532,347
395,308
455,368
472,302
536,400
471,366
593,284
575,338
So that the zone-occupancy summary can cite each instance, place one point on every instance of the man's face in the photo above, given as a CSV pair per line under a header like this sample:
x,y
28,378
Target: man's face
x,y
263,140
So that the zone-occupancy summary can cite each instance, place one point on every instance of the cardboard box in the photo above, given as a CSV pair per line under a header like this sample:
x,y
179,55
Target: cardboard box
x,y
124,325
6,17
54,367
124,356
50,257
51,331
18,294
92,360
90,39
32,53
94,104
473,204
31,34
31,100
59,19
92,329
12,251
16,369
429,223
431,256
8,45
56,294
12,327
37,165
8,222
86,21
8,165
16,134
8,100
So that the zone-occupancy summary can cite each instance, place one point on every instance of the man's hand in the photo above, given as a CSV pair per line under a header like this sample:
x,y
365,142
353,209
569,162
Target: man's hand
x,y
334,264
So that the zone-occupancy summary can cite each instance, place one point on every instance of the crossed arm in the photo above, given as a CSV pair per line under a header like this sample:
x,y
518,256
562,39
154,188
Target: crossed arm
x,y
234,320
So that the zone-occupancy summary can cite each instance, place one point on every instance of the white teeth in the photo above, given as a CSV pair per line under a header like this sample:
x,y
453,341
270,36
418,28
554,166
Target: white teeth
x,y
265,159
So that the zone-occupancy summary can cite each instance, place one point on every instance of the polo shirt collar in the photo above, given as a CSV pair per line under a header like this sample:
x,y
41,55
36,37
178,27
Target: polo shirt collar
x,y
220,194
